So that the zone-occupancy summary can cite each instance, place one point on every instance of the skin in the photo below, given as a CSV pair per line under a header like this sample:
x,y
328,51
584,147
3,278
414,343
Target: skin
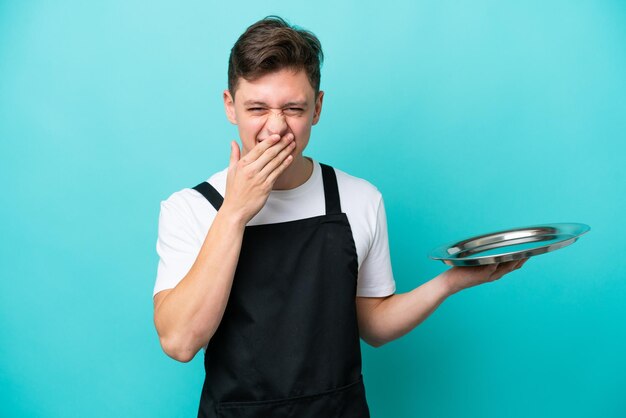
x,y
274,115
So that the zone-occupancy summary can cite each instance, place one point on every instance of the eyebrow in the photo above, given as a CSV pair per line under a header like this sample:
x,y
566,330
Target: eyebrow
x,y
288,104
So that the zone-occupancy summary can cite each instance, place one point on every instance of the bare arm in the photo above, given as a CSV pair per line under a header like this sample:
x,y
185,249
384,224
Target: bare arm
x,y
382,320
187,316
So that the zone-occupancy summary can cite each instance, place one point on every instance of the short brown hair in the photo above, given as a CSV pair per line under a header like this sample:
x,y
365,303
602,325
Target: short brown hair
x,y
271,44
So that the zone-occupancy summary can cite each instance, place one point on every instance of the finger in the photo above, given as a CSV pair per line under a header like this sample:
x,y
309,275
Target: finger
x,y
271,178
508,265
484,269
259,149
235,154
276,162
506,268
272,152
499,270
520,263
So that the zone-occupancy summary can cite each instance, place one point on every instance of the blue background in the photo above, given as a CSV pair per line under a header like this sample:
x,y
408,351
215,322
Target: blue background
x,y
469,117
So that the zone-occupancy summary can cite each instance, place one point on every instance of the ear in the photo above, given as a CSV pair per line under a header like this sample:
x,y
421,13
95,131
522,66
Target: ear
x,y
229,107
318,107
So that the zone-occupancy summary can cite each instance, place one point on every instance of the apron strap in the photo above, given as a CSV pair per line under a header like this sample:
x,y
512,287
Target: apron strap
x,y
331,190
213,196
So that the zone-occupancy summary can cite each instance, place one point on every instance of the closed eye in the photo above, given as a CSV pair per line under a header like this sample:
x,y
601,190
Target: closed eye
x,y
292,111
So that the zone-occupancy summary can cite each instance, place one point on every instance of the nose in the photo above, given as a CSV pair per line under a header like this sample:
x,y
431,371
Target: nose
x,y
276,124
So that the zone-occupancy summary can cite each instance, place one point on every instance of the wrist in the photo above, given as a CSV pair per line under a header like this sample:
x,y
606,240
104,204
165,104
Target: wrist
x,y
232,217
449,282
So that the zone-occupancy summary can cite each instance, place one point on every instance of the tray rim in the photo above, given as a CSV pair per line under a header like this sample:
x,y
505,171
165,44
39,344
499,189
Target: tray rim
x,y
511,255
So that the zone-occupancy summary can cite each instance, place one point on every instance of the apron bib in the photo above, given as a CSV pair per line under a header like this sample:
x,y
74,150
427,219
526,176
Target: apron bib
x,y
288,343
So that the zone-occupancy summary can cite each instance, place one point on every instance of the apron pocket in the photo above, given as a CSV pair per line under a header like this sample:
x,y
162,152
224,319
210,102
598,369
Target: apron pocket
x,y
344,402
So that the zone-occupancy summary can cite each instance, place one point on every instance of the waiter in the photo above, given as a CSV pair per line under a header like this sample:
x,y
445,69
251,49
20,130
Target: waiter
x,y
279,264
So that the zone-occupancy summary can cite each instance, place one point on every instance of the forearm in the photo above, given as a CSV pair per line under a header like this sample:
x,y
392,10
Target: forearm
x,y
188,315
398,314
384,319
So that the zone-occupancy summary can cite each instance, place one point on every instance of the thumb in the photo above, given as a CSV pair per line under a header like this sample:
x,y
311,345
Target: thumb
x,y
235,154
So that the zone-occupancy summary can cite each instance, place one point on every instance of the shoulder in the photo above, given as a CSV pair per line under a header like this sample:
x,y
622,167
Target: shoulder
x,y
361,201
357,189
187,203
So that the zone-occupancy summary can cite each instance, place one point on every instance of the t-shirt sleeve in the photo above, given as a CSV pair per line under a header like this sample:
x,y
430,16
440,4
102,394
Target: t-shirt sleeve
x,y
177,246
375,275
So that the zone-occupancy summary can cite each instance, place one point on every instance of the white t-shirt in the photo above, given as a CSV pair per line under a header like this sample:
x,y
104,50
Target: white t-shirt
x,y
186,216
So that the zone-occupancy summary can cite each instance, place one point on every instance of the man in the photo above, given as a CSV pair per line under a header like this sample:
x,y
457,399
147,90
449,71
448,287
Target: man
x,y
278,264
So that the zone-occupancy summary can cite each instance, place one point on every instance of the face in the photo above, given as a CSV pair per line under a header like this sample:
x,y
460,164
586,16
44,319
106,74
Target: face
x,y
281,102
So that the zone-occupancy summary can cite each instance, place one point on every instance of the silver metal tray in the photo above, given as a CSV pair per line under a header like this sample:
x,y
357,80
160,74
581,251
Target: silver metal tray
x,y
508,245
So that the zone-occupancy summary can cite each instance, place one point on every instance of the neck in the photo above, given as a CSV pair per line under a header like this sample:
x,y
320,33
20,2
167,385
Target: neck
x,y
295,175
